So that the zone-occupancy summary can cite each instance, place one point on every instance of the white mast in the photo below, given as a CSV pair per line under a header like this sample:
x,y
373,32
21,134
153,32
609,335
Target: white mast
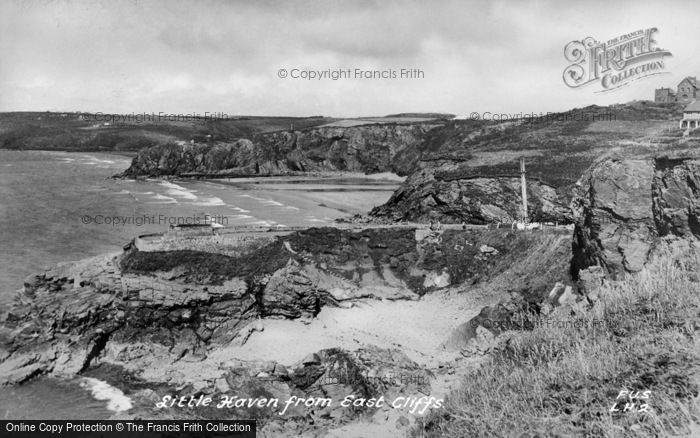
x,y
523,186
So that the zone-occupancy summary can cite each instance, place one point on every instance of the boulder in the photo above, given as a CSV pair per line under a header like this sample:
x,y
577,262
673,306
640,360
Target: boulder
x,y
290,293
222,386
590,280
479,333
485,249
280,370
567,296
31,283
561,295
311,359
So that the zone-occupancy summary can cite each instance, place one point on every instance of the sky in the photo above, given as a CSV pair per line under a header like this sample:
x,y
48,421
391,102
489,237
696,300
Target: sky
x,y
225,56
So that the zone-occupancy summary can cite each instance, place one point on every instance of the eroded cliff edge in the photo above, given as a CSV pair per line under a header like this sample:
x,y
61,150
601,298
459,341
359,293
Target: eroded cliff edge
x,y
184,322
366,149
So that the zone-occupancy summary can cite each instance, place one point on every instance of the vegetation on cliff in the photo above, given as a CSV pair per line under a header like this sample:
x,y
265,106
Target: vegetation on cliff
x,y
469,170
565,379
131,132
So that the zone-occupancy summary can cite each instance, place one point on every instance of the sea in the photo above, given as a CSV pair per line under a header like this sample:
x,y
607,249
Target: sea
x,y
63,206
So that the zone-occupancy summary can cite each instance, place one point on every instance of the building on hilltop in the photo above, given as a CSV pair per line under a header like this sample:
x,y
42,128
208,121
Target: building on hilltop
x,y
664,95
687,91
691,116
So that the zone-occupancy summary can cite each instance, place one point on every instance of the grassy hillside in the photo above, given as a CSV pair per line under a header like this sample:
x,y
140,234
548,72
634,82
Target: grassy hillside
x,y
88,132
107,132
563,380
557,147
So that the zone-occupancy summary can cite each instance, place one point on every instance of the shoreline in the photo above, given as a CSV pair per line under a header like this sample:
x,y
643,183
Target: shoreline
x,y
381,177
129,154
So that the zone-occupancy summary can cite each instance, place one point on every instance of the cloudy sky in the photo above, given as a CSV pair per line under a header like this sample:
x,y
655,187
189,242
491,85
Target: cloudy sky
x,y
224,56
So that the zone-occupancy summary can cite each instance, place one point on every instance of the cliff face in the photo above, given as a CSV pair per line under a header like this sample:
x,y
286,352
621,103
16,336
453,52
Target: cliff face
x,y
189,301
181,321
367,149
624,206
469,170
472,200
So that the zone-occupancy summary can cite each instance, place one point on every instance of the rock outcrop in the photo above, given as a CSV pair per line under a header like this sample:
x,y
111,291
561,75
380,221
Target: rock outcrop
x,y
156,323
478,335
480,200
366,149
625,205
622,208
67,315
469,170
189,302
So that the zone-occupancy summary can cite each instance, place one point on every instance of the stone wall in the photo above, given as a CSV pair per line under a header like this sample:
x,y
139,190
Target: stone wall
x,y
225,243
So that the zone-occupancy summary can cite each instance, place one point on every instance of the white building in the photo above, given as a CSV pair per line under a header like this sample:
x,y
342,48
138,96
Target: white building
x,y
691,116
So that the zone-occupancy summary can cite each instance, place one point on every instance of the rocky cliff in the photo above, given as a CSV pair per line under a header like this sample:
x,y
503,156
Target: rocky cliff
x,y
469,170
626,212
474,200
623,206
367,149
188,300
177,322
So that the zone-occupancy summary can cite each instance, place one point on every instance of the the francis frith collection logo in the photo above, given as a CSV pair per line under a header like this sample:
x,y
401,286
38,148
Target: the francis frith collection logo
x,y
616,62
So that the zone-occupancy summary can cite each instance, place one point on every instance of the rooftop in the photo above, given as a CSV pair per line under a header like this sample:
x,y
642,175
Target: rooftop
x,y
693,106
